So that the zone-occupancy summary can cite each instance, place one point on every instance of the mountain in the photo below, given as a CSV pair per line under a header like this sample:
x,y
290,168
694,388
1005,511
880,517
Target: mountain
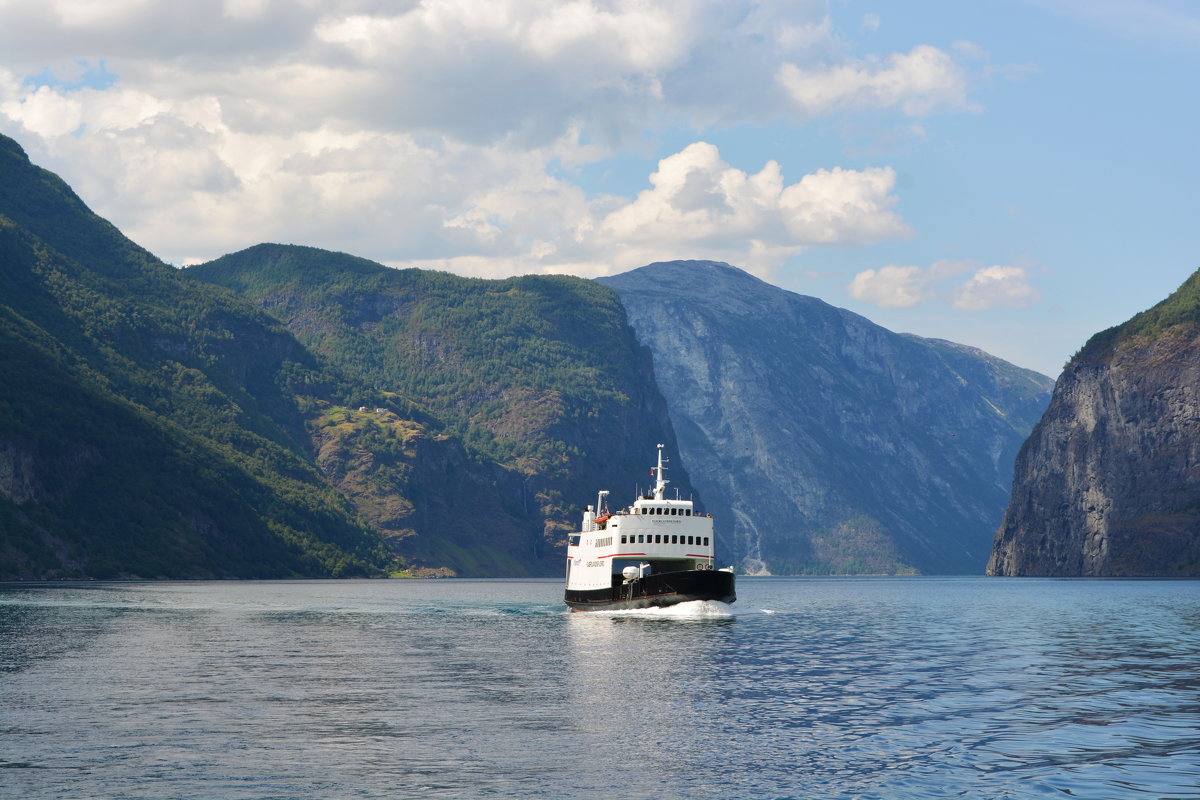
x,y
825,443
537,384
1108,483
150,426
156,425
286,411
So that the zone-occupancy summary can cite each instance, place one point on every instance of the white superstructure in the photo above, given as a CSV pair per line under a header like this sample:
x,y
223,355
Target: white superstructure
x,y
656,534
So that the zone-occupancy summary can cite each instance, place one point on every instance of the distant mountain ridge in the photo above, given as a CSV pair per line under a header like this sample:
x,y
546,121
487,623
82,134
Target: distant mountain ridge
x,y
1108,483
835,445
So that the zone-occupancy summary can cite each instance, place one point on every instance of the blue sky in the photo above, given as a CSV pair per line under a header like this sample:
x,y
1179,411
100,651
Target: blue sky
x,y
1014,176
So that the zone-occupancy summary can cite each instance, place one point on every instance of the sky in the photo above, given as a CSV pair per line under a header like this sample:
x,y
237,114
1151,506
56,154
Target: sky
x,y
1014,176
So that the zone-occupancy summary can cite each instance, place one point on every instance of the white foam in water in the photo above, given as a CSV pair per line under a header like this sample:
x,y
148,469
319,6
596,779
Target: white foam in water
x,y
693,609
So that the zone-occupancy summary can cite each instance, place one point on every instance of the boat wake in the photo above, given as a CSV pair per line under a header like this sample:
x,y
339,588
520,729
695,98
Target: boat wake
x,y
693,609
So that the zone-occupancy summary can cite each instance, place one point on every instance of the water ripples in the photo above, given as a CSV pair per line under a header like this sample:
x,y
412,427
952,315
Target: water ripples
x,y
806,688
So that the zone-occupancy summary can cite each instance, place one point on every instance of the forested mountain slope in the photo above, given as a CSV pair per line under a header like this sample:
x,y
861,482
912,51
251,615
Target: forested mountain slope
x,y
539,377
150,426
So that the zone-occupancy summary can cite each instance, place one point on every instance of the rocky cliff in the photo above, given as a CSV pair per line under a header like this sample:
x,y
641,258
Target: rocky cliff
x,y
1108,484
824,442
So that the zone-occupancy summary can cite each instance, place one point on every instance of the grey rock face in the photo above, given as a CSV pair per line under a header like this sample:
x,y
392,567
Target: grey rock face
x,y
1109,481
823,442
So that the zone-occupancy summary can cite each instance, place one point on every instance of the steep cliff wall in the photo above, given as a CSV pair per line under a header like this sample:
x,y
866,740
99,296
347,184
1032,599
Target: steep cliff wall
x,y
824,442
1109,481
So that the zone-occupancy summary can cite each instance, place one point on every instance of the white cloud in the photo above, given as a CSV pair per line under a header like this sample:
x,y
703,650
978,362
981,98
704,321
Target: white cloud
x,y
918,82
44,112
889,287
698,206
698,197
895,286
446,131
995,286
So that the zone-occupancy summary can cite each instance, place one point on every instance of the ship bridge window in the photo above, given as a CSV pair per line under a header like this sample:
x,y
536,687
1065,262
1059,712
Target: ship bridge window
x,y
574,541
687,512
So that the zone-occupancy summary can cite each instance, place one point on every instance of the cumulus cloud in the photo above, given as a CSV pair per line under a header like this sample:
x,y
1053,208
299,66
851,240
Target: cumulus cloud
x,y
445,132
698,197
895,286
995,286
697,206
889,287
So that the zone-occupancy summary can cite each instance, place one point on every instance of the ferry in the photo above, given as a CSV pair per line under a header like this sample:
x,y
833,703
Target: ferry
x,y
657,552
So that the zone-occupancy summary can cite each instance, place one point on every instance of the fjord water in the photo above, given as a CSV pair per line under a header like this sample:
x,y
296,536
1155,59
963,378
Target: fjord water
x,y
805,688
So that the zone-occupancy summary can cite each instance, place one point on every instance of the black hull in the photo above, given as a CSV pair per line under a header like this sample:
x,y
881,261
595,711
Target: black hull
x,y
656,591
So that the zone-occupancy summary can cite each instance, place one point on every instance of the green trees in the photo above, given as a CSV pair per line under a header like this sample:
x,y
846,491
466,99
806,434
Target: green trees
x,y
538,379
152,422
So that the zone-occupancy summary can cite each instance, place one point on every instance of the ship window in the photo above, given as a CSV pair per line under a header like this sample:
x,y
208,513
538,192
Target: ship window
x,y
574,541
658,538
687,512
641,539
644,511
674,540
623,540
658,511
691,540
706,541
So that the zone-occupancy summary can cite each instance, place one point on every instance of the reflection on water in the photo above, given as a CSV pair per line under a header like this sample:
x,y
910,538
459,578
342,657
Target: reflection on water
x,y
888,688
642,683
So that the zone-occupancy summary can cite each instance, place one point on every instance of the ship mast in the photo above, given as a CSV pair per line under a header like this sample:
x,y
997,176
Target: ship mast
x,y
660,483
